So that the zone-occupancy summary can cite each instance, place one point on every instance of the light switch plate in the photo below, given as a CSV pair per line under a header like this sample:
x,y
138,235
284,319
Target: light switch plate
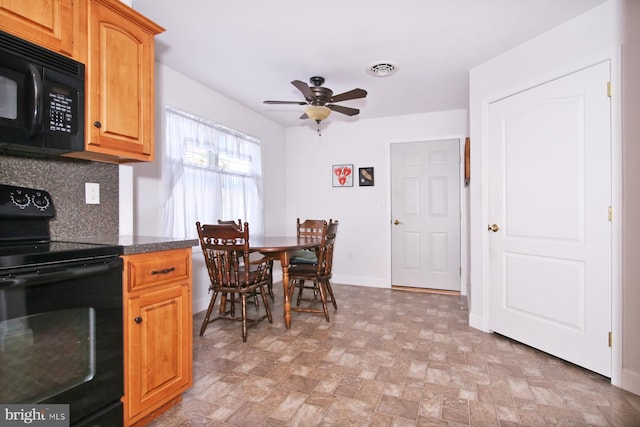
x,y
92,193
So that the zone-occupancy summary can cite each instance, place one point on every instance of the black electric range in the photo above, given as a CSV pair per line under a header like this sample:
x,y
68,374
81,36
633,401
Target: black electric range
x,y
25,237
61,315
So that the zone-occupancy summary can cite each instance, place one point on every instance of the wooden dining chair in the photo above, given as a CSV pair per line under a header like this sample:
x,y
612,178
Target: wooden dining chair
x,y
231,297
310,227
319,274
231,272
238,224
307,228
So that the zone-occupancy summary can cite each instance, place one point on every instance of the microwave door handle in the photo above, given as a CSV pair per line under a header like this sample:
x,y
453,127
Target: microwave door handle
x,y
36,117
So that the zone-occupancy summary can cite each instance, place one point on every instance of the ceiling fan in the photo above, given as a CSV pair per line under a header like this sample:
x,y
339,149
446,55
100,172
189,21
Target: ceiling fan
x,y
320,100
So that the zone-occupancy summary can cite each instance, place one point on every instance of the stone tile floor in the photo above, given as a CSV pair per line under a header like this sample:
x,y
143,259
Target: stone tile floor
x,y
387,358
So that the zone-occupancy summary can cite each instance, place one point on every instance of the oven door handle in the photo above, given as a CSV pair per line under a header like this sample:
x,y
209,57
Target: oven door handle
x,y
57,276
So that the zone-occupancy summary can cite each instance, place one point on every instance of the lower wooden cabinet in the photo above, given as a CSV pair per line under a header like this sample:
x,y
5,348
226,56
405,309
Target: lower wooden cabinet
x,y
157,332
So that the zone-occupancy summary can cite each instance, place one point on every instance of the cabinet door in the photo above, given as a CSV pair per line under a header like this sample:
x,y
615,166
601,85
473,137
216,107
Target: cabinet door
x,y
158,347
120,82
48,23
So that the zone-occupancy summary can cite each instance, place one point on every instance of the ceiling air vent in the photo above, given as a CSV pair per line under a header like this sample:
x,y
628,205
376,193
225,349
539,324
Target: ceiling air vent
x,y
382,69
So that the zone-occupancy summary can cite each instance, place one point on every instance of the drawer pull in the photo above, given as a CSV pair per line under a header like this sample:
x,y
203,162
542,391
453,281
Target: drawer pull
x,y
164,271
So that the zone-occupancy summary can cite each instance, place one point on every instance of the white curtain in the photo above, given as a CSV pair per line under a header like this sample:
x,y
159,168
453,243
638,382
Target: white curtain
x,y
210,173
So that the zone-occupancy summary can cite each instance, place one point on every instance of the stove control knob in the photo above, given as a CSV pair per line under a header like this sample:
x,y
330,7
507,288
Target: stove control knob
x,y
20,199
41,201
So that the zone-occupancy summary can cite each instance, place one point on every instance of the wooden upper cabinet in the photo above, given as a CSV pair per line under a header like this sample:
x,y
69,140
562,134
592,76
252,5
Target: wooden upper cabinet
x,y
116,43
120,83
53,24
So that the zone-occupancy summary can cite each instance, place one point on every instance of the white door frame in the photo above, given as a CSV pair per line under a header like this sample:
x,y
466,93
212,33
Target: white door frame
x,y
479,185
464,209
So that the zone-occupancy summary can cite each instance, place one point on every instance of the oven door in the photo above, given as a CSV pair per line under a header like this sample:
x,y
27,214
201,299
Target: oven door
x,y
61,336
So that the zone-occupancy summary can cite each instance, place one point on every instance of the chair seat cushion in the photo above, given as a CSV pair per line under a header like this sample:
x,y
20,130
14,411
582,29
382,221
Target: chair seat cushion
x,y
304,256
302,270
256,278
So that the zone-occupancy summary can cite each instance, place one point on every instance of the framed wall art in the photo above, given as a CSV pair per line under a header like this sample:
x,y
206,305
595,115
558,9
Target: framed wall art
x,y
342,175
365,177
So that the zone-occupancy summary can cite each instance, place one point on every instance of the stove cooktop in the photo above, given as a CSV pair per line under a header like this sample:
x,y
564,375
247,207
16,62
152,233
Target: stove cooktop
x,y
25,238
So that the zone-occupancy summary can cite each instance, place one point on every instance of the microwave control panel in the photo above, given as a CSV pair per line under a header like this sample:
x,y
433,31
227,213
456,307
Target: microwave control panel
x,y
62,110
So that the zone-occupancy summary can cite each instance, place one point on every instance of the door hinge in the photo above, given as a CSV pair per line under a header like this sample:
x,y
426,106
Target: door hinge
x,y
610,339
610,214
609,89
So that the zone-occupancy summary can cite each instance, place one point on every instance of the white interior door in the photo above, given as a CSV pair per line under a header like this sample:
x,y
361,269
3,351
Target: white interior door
x,y
549,194
425,207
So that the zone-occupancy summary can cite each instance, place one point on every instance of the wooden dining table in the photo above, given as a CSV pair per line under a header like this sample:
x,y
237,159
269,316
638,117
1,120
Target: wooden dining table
x,y
281,247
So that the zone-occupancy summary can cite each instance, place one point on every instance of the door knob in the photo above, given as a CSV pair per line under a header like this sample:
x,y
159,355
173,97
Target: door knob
x,y
493,227
396,222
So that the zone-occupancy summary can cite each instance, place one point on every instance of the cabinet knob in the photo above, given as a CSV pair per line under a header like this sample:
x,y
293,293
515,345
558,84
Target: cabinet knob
x,y
97,124
138,320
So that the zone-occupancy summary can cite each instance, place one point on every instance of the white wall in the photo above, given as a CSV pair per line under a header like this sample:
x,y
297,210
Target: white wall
x,y
363,246
631,195
175,89
581,42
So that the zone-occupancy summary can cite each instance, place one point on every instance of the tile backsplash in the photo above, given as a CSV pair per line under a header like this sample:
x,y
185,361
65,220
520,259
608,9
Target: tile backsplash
x,y
65,180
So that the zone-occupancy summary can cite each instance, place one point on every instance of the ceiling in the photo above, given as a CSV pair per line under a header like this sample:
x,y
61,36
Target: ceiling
x,y
250,50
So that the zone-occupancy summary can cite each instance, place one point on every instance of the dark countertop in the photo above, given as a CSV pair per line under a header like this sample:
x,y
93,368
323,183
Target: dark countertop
x,y
142,244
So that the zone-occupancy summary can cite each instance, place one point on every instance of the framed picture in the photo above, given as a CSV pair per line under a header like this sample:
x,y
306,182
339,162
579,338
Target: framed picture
x,y
365,177
342,175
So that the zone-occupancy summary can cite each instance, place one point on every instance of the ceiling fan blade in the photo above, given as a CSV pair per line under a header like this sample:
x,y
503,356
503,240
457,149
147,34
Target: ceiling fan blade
x,y
344,110
352,94
286,102
302,87
304,116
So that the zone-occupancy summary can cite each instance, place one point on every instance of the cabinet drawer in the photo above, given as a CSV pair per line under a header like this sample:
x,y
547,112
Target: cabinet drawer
x,y
145,270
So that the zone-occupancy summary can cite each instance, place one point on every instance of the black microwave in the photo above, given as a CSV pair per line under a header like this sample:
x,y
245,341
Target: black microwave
x,y
41,99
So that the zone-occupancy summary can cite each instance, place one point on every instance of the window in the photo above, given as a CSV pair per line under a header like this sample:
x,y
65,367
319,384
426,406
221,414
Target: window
x,y
210,172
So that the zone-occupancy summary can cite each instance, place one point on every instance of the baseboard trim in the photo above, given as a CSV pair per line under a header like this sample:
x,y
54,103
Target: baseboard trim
x,y
631,381
425,290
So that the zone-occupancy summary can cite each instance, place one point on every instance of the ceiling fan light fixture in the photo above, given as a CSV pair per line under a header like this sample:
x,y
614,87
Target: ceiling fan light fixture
x,y
317,112
382,69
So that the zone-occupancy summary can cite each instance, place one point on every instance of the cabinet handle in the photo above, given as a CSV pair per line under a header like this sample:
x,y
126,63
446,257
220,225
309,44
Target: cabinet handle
x,y
138,320
165,271
97,124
